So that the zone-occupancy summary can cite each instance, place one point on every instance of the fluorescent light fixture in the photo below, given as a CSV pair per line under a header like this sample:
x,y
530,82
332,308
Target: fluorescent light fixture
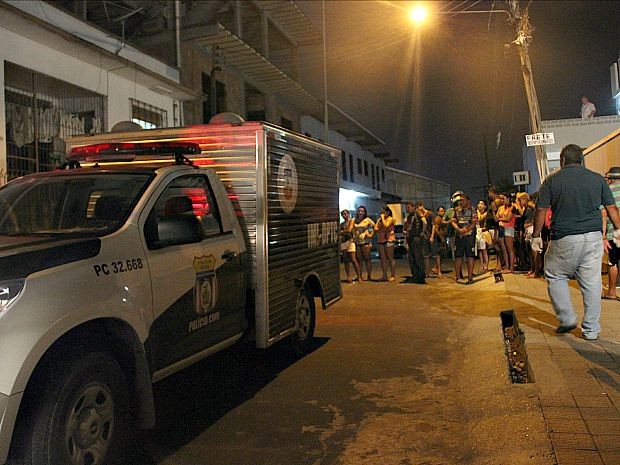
x,y
349,198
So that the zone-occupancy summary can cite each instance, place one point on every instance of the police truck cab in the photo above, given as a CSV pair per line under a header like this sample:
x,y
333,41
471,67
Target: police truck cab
x,y
149,252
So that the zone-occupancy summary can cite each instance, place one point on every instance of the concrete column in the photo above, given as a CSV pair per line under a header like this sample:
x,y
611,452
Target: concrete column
x,y
238,19
264,19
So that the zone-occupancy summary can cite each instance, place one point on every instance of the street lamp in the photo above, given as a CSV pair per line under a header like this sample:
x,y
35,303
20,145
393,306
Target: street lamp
x,y
418,14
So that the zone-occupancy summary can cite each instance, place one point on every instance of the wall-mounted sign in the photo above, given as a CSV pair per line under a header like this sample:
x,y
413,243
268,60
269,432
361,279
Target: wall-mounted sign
x,y
540,138
521,178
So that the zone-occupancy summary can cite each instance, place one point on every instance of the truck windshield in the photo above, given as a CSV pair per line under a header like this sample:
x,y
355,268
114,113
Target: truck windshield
x,y
85,204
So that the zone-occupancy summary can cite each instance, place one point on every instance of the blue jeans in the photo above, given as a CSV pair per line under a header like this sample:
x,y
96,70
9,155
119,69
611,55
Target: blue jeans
x,y
577,256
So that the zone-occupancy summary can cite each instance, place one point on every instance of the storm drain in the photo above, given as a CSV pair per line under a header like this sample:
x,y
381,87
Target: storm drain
x,y
514,342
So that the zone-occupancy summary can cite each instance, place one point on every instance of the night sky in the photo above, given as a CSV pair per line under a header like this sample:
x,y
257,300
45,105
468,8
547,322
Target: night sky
x,y
437,95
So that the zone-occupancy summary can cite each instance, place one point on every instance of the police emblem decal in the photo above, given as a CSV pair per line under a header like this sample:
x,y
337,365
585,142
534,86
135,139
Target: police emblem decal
x,y
287,184
205,289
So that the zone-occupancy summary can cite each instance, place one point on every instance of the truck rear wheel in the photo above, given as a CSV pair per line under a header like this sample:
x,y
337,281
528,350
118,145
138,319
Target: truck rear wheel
x,y
82,419
305,314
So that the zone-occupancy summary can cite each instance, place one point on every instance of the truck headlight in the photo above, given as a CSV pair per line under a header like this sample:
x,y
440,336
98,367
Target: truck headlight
x,y
9,291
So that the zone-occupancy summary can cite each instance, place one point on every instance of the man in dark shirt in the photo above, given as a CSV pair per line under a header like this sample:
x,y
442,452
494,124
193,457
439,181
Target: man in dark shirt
x,y
415,242
574,195
427,219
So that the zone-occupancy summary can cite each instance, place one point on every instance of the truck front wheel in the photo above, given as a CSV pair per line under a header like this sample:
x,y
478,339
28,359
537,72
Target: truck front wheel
x,y
83,415
306,319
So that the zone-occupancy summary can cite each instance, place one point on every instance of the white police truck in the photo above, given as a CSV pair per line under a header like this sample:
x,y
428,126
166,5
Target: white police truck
x,y
151,251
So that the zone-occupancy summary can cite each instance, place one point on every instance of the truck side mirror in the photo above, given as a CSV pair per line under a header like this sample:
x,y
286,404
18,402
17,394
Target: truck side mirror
x,y
177,230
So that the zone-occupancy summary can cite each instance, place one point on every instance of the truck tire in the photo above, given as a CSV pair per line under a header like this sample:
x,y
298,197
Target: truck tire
x,y
83,417
305,315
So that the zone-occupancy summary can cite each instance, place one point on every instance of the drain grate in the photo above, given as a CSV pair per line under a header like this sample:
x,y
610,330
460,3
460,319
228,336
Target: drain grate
x,y
514,342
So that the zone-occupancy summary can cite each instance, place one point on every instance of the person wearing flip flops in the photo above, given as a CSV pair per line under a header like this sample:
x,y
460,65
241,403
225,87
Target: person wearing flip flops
x,y
613,251
464,223
574,194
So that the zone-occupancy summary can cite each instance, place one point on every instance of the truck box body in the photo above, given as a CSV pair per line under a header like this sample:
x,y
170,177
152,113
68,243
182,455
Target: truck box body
x,y
284,188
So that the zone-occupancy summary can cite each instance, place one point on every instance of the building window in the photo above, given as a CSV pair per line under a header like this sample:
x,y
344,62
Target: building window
x,y
372,171
351,169
220,98
148,116
359,167
382,175
41,113
366,168
343,158
378,181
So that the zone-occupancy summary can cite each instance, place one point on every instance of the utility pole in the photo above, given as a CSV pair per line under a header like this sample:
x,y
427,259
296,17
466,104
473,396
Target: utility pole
x,y
524,31
486,161
325,107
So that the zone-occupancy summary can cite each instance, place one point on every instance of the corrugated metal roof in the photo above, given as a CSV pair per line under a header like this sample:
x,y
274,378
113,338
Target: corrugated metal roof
x,y
260,71
270,80
287,15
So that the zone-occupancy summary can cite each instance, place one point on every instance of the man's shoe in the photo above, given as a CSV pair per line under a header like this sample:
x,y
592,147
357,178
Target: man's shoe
x,y
565,329
590,337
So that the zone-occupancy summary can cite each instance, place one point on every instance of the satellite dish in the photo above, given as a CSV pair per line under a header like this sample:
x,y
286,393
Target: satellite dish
x,y
227,117
124,126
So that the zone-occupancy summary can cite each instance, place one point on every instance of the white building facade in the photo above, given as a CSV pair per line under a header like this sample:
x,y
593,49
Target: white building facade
x,y
61,76
583,132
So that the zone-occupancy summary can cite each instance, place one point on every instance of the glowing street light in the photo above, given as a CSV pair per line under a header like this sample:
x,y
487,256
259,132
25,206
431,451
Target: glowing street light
x,y
418,14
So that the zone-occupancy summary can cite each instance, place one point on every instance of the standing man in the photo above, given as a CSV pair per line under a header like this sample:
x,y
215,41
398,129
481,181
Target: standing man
x,y
574,195
613,252
415,230
587,108
464,223
427,221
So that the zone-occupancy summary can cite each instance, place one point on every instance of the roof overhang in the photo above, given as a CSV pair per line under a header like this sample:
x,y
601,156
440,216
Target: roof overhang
x,y
291,21
256,68
354,130
270,80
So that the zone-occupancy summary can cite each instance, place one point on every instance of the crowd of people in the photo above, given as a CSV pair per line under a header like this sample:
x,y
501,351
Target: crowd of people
x,y
561,233
503,224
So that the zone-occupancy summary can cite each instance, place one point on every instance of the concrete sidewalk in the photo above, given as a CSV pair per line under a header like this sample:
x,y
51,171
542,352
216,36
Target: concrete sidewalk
x,y
578,381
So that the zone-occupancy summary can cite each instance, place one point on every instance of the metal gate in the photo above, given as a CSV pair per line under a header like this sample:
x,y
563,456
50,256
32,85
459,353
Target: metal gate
x,y
41,112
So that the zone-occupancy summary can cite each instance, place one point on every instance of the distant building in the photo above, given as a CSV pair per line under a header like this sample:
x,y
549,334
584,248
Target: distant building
x,y
599,132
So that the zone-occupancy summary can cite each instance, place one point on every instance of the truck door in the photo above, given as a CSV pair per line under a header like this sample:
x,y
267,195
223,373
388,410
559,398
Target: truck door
x,y
195,265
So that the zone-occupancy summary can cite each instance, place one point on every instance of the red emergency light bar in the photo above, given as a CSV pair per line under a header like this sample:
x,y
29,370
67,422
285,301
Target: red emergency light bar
x,y
129,151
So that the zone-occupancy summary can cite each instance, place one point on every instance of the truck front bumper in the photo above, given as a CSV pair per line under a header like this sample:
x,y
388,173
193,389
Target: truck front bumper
x,y
9,406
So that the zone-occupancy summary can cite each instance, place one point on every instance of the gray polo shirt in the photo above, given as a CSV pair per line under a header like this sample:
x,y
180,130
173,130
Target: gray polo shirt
x,y
574,195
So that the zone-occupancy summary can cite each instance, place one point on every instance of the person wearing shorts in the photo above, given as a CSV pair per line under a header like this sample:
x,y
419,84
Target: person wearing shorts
x,y
613,252
464,223
347,245
507,220
480,239
384,228
439,232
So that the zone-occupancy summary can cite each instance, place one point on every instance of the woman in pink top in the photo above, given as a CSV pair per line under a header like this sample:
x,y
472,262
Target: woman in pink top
x,y
386,240
507,219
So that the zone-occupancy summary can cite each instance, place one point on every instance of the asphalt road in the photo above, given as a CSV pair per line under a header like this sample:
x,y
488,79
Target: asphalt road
x,y
400,374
